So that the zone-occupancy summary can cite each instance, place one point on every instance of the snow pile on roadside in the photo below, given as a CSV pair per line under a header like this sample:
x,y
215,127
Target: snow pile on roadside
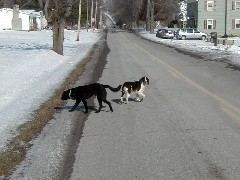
x,y
207,49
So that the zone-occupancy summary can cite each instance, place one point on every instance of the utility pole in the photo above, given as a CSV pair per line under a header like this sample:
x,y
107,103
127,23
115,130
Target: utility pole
x,y
152,18
100,22
148,16
226,18
96,14
92,15
79,19
87,15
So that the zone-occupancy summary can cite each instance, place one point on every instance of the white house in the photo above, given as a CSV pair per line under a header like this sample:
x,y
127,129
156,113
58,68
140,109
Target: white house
x,y
6,16
16,19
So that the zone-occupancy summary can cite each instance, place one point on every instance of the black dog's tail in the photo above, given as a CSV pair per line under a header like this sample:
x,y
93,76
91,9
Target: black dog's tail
x,y
113,89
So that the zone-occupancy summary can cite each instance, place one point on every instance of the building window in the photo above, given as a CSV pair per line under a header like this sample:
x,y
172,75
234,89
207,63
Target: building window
x,y
210,24
235,5
237,24
210,5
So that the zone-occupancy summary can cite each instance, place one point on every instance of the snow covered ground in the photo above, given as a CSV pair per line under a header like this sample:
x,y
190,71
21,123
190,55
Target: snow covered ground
x,y
224,53
30,72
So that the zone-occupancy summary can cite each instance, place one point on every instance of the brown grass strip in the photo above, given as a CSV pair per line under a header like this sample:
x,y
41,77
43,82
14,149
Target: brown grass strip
x,y
17,148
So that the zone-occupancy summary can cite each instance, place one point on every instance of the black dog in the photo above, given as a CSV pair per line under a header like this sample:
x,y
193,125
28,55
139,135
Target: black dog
x,y
82,93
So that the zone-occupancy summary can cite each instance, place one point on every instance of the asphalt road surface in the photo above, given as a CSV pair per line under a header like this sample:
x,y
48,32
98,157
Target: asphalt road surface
x,y
187,127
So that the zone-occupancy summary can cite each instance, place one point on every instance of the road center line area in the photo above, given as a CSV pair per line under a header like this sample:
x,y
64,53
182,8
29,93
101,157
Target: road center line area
x,y
176,132
190,81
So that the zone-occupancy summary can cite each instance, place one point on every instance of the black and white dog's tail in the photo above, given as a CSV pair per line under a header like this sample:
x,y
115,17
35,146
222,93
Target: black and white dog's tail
x,y
113,89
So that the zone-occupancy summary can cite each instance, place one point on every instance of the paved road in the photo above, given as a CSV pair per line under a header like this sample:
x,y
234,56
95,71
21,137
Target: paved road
x,y
186,128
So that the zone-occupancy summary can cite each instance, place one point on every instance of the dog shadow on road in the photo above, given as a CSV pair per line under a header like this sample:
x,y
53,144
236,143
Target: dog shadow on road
x,y
118,101
79,108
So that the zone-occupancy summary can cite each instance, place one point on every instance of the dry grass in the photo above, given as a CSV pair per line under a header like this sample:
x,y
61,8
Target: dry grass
x,y
16,149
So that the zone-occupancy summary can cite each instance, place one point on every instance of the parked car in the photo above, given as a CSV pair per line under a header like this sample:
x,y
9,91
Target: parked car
x,y
167,33
138,30
158,32
190,33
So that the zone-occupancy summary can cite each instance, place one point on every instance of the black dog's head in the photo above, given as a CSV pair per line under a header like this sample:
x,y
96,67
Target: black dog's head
x,y
66,94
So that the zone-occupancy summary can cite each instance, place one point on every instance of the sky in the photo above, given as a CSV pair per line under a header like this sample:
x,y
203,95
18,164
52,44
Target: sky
x,y
31,71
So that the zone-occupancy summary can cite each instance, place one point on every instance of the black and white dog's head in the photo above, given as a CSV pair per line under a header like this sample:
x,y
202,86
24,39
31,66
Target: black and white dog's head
x,y
144,80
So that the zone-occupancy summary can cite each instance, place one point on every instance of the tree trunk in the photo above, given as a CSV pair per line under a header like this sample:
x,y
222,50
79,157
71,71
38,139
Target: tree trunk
x,y
58,36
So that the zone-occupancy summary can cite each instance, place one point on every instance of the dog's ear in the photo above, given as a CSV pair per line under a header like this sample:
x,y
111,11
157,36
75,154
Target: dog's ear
x,y
147,80
73,95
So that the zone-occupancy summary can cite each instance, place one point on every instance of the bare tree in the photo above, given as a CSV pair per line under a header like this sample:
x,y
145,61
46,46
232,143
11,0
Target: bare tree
x,y
56,12
22,3
164,10
7,3
125,10
130,11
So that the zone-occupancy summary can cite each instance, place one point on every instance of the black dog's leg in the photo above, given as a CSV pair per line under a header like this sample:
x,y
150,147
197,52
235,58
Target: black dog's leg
x,y
85,105
75,105
104,99
109,104
100,104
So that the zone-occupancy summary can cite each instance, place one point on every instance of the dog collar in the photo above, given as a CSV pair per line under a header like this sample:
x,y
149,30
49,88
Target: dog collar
x,y
70,94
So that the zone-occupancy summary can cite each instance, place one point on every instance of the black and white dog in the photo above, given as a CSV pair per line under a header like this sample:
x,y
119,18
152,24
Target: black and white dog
x,y
82,93
134,87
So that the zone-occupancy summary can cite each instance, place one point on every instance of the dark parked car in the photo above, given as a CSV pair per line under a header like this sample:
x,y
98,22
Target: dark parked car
x,y
158,32
169,33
